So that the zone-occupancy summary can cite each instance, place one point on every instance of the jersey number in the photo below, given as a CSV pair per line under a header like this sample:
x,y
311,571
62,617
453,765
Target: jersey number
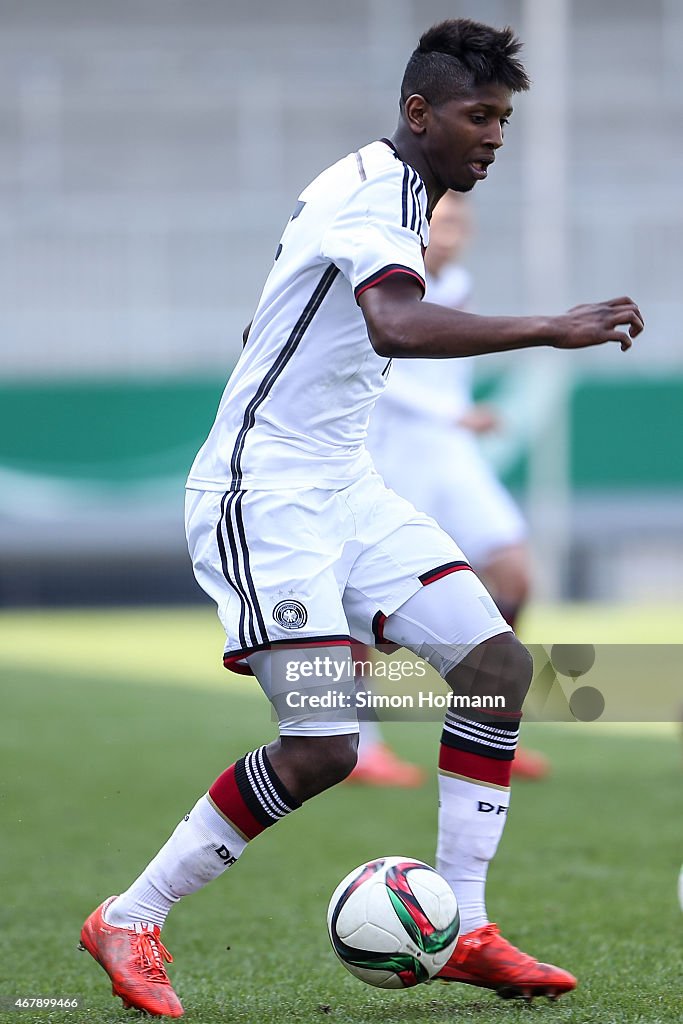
x,y
297,210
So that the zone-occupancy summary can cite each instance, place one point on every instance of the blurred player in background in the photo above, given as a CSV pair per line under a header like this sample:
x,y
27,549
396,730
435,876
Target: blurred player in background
x,y
301,545
422,441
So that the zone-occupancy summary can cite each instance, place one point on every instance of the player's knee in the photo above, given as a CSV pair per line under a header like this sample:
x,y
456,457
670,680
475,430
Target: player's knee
x,y
339,758
310,765
516,673
498,667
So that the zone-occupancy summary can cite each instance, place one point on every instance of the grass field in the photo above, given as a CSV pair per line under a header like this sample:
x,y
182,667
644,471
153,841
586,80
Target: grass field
x,y
113,723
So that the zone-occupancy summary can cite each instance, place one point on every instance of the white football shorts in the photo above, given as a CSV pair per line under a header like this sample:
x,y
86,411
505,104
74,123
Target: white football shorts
x,y
307,568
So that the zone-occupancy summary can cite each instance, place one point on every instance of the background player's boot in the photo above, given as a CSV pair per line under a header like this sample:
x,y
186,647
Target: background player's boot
x,y
134,960
483,957
529,764
378,765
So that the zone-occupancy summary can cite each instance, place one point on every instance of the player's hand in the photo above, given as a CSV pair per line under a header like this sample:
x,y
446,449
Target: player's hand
x,y
597,323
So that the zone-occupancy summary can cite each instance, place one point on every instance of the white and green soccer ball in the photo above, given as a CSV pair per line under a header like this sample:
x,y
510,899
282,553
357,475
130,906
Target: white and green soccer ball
x,y
393,922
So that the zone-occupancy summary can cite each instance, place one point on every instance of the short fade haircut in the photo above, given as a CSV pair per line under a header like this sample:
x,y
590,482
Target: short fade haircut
x,y
457,55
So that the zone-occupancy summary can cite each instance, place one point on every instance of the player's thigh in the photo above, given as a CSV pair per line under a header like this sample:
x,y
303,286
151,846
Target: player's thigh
x,y
409,564
311,689
444,621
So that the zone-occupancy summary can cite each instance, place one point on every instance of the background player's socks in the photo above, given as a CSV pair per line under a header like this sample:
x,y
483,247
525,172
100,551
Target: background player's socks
x,y
369,736
475,759
244,800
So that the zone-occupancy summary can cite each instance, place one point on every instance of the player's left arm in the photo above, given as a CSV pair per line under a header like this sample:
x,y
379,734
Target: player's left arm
x,y
400,325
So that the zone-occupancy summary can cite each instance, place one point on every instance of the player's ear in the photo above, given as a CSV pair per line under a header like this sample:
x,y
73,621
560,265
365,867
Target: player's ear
x,y
415,110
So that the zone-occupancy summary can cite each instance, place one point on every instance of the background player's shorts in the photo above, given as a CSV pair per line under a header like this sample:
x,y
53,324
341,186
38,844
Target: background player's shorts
x,y
442,471
308,567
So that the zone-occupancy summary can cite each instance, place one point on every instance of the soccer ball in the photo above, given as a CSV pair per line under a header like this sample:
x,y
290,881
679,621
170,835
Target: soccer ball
x,y
393,922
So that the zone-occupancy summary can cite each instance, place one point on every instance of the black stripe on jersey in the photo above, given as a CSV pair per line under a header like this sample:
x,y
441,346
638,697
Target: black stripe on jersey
x,y
418,205
406,179
283,357
361,169
392,147
379,275
415,191
415,205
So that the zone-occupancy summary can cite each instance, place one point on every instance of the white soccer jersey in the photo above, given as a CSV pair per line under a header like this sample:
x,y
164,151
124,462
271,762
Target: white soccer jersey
x,y
296,408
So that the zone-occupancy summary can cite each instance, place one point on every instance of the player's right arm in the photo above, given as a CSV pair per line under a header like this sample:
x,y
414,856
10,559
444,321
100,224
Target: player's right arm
x,y
400,325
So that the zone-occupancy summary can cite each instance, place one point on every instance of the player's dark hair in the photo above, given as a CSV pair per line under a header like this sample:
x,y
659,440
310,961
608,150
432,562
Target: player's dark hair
x,y
456,56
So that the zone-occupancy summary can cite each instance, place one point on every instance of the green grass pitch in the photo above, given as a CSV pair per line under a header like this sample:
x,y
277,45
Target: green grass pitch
x,y
112,723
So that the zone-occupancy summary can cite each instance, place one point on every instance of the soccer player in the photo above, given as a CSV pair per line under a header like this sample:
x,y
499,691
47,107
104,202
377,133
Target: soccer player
x,y
421,440
302,546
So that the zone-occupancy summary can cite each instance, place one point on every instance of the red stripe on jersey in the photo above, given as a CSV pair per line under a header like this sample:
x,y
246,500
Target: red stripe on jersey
x,y
228,799
443,570
383,275
474,766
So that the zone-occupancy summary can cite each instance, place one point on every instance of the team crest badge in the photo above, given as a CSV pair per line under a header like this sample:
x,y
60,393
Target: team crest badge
x,y
290,614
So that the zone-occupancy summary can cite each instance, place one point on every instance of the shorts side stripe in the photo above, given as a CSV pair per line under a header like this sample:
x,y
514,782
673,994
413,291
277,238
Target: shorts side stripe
x,y
239,520
246,612
234,583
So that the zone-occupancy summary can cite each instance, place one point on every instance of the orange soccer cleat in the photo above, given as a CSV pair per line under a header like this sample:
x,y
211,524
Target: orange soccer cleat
x,y
483,957
134,960
529,764
379,766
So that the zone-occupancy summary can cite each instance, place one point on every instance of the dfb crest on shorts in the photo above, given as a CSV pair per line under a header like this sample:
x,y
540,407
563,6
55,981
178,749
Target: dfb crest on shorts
x,y
290,614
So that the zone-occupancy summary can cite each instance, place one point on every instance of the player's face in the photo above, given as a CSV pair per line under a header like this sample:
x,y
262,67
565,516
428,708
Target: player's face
x,y
464,134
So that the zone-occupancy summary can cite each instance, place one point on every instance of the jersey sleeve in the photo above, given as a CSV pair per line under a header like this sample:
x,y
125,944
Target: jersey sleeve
x,y
377,233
